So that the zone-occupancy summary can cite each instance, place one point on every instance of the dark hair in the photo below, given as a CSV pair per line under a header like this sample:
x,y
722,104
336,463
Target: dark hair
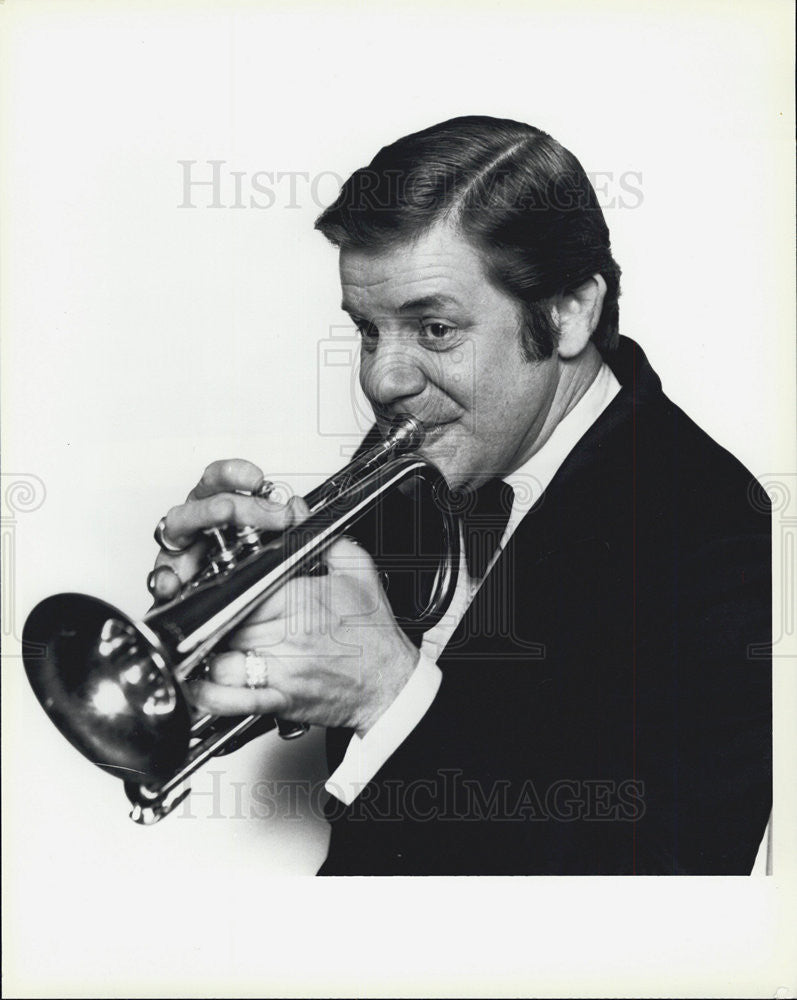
x,y
516,194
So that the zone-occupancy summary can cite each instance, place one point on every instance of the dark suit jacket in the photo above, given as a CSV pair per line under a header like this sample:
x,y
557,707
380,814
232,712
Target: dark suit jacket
x,y
606,701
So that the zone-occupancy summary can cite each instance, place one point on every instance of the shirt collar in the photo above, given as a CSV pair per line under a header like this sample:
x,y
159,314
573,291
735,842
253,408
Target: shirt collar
x,y
531,480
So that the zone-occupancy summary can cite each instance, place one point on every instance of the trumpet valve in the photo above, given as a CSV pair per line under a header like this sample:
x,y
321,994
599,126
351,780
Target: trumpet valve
x,y
248,538
221,556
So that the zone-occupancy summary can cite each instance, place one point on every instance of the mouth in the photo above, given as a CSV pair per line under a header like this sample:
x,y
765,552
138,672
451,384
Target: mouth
x,y
433,430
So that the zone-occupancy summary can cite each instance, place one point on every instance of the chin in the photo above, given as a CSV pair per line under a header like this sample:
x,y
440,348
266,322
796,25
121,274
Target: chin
x,y
454,476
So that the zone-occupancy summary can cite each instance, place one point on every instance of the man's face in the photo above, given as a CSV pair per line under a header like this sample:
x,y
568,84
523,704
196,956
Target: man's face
x,y
440,341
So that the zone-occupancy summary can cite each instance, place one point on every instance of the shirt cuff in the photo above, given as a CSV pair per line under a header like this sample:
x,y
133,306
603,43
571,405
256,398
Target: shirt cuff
x,y
366,755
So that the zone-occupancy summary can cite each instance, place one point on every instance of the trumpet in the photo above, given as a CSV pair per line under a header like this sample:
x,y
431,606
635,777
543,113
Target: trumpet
x,y
115,686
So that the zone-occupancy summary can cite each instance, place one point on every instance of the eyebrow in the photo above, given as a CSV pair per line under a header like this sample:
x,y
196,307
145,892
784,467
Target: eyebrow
x,y
415,305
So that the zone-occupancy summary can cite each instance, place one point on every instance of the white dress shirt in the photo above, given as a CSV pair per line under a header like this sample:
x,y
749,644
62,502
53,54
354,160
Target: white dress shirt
x,y
366,755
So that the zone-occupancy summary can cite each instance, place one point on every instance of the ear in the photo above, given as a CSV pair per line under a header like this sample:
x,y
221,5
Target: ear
x,y
576,314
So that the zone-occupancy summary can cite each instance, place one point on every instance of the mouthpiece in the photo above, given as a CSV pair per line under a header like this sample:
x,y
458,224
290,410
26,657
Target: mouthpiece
x,y
406,434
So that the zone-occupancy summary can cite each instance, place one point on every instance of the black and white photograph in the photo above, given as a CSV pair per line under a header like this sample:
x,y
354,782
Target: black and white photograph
x,y
399,498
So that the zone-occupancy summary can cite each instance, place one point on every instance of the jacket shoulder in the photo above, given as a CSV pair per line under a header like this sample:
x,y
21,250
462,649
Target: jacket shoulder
x,y
678,464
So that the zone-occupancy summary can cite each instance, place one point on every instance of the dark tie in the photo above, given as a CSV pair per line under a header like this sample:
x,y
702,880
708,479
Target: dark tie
x,y
485,519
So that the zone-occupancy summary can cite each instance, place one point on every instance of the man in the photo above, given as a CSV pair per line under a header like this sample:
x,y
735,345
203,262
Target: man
x,y
615,716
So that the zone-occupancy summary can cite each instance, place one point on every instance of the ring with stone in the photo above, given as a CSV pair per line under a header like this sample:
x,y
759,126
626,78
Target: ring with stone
x,y
256,666
264,490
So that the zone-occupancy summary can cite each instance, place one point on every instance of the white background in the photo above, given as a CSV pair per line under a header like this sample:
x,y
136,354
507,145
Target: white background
x,y
141,340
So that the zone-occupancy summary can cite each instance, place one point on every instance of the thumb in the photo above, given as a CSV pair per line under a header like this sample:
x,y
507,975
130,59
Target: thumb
x,y
298,511
348,556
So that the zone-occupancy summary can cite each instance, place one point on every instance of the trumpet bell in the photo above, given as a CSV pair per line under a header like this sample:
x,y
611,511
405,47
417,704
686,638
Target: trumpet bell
x,y
104,681
114,686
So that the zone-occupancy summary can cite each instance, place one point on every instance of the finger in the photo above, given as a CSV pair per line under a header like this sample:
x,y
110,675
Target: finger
x,y
268,636
233,669
185,521
348,556
357,589
225,476
296,597
163,583
186,564
298,509
220,699
228,669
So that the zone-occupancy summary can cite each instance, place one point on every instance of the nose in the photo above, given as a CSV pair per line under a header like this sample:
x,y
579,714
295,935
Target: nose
x,y
391,374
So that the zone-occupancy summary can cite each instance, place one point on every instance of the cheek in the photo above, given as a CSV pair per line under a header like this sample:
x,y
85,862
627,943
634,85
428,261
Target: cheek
x,y
365,375
490,385
457,375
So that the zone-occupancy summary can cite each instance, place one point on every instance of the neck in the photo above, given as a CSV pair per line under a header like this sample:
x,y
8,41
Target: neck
x,y
575,376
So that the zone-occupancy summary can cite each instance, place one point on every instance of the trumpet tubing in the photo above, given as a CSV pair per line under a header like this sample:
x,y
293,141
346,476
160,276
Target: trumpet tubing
x,y
114,685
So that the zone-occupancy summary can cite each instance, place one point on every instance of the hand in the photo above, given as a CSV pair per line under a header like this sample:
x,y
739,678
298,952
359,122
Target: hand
x,y
213,502
333,651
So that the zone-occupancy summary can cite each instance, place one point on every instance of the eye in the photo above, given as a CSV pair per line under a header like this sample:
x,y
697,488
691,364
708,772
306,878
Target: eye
x,y
438,332
368,331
